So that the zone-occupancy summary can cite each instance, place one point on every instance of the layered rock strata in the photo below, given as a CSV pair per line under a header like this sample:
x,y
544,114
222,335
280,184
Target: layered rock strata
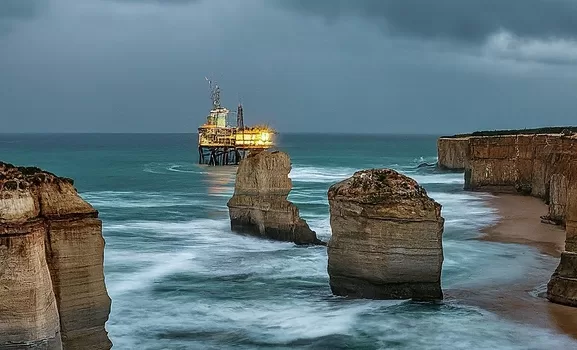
x,y
386,238
260,206
453,152
562,287
51,277
536,164
532,164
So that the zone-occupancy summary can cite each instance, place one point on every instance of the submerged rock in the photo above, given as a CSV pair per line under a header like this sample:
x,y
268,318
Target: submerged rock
x,y
386,238
427,165
51,273
259,205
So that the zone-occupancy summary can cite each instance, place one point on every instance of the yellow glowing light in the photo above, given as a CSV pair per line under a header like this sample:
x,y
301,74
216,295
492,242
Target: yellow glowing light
x,y
264,136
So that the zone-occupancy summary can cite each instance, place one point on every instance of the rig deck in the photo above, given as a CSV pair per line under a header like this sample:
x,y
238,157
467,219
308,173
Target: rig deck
x,y
221,144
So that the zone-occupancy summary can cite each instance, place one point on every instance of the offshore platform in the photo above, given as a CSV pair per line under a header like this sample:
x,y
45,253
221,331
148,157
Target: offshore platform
x,y
222,144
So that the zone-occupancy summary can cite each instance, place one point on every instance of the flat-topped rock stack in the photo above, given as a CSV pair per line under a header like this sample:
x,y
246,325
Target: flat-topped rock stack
x,y
51,273
540,163
386,238
259,205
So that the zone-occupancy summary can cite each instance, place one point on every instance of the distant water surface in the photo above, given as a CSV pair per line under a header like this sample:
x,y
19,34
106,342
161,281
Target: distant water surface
x,y
179,279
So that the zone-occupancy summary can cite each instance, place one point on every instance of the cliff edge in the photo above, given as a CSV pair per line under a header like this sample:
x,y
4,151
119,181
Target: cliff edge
x,y
52,251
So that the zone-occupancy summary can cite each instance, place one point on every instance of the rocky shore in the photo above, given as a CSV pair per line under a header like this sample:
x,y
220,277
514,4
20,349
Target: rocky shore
x,y
51,279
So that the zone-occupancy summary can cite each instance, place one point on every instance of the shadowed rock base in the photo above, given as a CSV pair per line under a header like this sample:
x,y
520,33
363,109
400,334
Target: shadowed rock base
x,y
562,287
360,288
44,344
299,234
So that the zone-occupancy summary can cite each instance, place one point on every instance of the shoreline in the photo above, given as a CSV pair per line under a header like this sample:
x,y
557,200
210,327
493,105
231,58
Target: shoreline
x,y
524,300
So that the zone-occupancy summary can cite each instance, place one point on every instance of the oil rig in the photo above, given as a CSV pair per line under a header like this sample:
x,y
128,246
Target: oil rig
x,y
222,144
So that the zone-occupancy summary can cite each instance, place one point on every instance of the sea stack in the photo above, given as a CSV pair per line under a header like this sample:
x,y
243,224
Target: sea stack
x,y
386,238
259,205
562,287
51,273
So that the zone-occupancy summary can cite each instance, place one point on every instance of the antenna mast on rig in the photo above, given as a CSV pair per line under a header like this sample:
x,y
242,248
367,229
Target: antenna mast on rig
x,y
214,93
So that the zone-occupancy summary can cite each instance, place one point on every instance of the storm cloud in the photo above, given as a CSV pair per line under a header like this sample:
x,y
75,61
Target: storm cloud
x,y
318,66
13,12
532,30
461,20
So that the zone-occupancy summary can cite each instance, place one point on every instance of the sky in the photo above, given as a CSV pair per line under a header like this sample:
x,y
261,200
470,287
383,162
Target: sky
x,y
359,66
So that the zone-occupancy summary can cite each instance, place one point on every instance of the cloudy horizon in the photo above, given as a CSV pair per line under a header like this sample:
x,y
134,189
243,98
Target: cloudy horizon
x,y
378,66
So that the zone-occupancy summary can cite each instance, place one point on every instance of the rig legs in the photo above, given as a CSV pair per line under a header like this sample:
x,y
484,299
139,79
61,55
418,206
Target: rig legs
x,y
220,155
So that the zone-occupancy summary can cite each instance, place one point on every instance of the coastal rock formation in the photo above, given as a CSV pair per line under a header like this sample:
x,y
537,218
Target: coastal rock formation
x,y
518,163
531,164
259,205
51,277
453,152
562,287
540,163
386,238
558,190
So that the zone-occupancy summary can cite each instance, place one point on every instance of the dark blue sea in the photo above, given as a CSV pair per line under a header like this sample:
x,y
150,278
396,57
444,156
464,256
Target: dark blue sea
x,y
180,279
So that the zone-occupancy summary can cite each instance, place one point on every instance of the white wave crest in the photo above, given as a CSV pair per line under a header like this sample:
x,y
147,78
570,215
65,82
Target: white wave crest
x,y
126,199
320,175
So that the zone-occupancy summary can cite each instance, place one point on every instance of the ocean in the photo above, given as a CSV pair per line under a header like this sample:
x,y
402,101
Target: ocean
x,y
180,279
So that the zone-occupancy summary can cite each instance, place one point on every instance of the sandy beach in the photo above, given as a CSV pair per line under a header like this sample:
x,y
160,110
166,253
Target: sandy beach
x,y
524,301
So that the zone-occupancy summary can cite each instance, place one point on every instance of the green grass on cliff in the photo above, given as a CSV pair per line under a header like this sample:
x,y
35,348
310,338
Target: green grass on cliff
x,y
545,130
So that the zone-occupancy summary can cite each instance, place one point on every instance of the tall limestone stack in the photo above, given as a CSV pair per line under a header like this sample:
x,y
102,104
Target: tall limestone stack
x,y
386,238
562,287
259,205
51,277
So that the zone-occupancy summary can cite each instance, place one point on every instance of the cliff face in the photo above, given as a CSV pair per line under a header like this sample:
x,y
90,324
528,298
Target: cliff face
x,y
259,205
562,287
386,238
520,163
453,152
541,165
52,284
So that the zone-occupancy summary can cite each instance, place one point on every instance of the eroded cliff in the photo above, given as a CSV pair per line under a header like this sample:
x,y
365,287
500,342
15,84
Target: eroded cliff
x,y
562,287
259,205
386,238
51,277
536,164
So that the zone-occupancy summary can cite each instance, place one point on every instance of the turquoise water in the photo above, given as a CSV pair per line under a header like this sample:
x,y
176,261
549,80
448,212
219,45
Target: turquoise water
x,y
179,279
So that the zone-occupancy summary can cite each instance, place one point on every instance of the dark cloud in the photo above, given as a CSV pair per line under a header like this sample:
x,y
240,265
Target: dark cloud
x,y
19,9
467,21
120,66
13,11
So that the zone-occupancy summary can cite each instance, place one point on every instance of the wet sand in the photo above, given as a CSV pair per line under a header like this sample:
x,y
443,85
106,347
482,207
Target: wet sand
x,y
524,300
520,222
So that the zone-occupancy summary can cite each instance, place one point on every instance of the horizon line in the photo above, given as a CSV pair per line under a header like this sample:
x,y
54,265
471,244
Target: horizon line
x,y
196,133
